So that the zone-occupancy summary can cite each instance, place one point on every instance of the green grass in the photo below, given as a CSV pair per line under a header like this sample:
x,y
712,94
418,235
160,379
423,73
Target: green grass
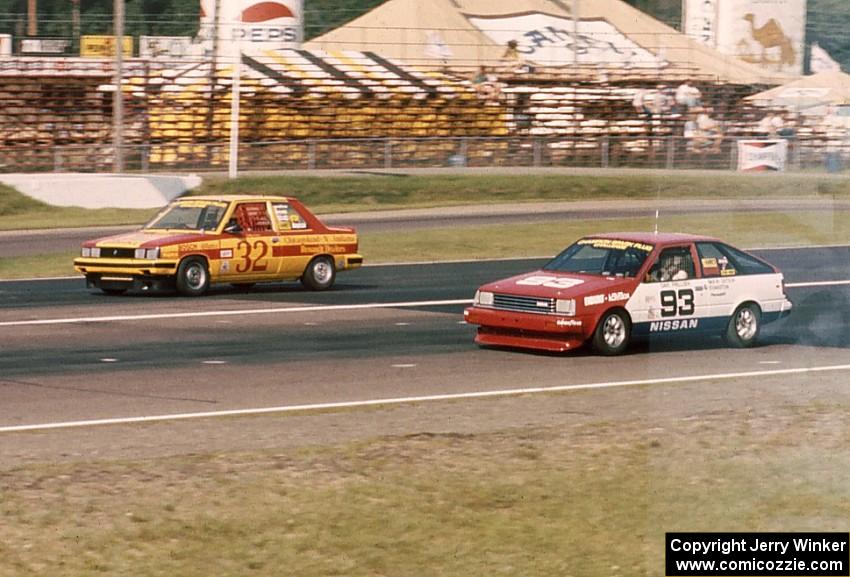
x,y
369,193
534,240
590,499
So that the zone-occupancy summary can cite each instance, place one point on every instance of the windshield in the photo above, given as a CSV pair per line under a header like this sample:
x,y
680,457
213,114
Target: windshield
x,y
602,256
189,216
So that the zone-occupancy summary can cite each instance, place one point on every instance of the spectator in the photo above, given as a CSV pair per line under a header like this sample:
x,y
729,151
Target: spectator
x,y
486,84
687,96
512,60
710,130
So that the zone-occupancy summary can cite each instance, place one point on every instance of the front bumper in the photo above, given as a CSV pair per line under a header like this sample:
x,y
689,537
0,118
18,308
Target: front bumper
x,y
525,330
123,274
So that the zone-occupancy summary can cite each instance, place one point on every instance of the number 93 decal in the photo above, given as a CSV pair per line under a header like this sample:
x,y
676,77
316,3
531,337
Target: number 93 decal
x,y
550,282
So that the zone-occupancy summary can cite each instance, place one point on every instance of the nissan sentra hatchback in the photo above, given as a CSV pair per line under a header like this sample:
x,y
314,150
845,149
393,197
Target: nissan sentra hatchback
x,y
606,289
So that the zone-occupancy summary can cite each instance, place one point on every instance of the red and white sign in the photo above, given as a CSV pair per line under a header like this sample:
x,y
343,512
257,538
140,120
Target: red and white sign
x,y
252,26
762,155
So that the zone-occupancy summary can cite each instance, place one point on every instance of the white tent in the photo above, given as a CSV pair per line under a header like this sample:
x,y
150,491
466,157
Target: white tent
x,y
808,93
601,34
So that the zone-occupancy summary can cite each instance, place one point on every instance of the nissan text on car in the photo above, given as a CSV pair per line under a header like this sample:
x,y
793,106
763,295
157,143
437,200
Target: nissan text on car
x,y
238,239
606,289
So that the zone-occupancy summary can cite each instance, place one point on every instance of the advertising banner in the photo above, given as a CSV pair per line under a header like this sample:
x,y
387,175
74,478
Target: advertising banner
x,y
767,33
104,46
165,46
251,26
762,155
556,41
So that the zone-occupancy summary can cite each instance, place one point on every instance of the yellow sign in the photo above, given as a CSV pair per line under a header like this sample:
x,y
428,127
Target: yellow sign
x,y
104,46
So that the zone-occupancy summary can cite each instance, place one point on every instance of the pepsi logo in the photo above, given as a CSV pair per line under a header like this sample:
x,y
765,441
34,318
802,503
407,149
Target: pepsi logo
x,y
265,11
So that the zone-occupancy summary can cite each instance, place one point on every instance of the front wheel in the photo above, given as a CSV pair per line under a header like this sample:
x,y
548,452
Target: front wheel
x,y
320,274
193,277
744,326
612,334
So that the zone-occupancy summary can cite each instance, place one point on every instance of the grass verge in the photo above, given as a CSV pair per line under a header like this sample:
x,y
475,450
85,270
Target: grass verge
x,y
367,193
533,240
579,499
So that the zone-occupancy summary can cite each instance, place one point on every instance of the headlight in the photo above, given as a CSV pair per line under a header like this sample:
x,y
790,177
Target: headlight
x,y
484,298
90,252
147,253
565,307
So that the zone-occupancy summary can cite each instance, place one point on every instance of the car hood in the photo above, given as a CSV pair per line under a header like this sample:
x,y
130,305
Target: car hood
x,y
147,239
549,284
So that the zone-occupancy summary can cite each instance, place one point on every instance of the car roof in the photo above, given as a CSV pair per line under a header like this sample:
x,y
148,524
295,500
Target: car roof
x,y
235,197
655,238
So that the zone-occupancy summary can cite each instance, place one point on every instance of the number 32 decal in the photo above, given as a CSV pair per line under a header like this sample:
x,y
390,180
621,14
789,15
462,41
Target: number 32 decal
x,y
677,303
252,256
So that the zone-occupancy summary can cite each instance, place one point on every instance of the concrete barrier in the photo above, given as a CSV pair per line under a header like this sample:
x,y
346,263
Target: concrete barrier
x,y
101,190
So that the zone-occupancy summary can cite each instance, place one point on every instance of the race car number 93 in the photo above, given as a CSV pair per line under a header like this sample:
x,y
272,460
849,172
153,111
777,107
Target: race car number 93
x,y
677,303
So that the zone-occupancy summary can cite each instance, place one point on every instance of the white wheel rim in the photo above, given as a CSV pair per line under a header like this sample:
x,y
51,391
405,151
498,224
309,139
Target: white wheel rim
x,y
614,331
746,324
195,276
322,271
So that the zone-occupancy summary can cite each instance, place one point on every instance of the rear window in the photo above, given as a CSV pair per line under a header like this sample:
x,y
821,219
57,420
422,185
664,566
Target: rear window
x,y
719,259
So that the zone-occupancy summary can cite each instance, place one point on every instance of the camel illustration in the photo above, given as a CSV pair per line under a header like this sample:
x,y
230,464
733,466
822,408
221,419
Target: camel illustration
x,y
771,35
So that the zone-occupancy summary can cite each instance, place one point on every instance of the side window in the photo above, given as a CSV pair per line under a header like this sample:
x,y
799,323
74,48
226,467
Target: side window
x,y
288,217
713,262
745,263
253,217
674,263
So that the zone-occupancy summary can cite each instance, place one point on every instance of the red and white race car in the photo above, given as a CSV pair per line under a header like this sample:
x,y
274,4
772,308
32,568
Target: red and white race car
x,y
608,288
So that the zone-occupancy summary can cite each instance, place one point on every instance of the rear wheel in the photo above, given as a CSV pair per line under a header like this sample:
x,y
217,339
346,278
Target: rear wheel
x,y
320,274
612,334
744,326
193,277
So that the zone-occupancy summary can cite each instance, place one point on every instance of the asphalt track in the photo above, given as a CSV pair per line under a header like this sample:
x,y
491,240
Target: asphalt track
x,y
69,356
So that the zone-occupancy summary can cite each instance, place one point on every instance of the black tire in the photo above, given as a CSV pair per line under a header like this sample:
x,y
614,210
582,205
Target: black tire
x,y
193,277
320,274
744,327
613,333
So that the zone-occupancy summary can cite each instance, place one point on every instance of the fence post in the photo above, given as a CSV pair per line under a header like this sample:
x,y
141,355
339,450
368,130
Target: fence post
x,y
146,157
733,154
57,159
671,152
388,154
311,154
606,144
537,154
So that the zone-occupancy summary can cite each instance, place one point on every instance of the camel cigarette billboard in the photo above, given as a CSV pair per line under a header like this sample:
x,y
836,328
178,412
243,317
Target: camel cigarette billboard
x,y
251,26
768,33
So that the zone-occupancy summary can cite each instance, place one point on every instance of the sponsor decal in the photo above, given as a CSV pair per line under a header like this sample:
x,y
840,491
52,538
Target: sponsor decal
x,y
550,281
675,325
226,253
618,297
265,11
615,244
225,266
568,323
594,300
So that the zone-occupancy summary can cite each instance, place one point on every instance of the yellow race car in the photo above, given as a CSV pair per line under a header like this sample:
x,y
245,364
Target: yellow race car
x,y
238,239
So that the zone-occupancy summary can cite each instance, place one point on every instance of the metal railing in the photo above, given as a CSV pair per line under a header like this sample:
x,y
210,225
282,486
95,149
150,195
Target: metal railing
x,y
604,151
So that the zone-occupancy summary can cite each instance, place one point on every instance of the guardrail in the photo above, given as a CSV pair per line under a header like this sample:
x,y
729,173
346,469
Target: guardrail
x,y
605,151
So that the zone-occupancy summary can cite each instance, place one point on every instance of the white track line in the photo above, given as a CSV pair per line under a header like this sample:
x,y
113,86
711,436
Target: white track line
x,y
222,313
419,399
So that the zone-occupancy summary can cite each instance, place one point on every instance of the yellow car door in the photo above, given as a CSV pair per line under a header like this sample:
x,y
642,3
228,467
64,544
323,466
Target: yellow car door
x,y
248,244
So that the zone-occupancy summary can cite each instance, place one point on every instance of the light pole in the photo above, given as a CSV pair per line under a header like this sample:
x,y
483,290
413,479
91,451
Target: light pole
x,y
117,96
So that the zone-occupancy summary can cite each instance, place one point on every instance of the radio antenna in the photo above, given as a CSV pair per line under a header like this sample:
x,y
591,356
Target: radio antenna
x,y
656,221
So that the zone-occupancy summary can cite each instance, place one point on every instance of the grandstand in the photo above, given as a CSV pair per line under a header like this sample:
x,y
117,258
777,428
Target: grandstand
x,y
329,105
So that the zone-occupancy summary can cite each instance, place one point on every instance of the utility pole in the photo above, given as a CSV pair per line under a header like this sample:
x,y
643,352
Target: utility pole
x,y
117,96
32,18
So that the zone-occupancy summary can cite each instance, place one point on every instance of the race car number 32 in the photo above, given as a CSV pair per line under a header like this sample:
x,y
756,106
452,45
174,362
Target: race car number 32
x,y
252,257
